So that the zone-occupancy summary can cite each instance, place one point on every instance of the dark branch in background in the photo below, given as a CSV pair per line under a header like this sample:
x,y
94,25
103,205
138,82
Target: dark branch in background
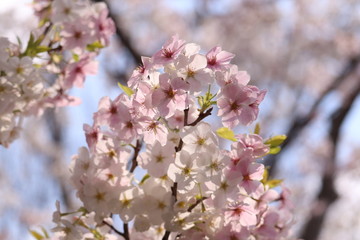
x,y
122,36
301,122
56,159
327,194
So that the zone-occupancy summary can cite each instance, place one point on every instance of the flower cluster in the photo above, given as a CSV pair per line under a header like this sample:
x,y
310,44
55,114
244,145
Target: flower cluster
x,y
192,189
57,57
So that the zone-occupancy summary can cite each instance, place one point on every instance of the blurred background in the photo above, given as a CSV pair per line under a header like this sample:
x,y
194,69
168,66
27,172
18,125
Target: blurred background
x,y
305,53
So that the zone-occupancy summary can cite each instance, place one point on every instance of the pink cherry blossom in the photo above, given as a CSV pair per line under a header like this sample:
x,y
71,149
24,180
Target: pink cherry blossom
x,y
141,72
76,72
92,134
253,143
157,158
217,58
170,96
169,51
252,174
76,35
104,26
232,75
193,70
154,131
239,104
240,214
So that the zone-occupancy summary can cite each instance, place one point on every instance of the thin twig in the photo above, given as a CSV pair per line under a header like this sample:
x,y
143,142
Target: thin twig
x,y
137,149
201,116
113,228
198,201
126,231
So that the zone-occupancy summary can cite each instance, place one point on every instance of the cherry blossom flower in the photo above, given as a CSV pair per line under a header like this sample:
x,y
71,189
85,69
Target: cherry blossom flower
x,y
104,26
240,214
76,35
232,75
76,72
199,138
253,143
239,104
169,51
170,96
193,70
157,158
217,58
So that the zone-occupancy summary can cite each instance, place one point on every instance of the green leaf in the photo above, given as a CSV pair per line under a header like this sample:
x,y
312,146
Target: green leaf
x,y
46,235
126,89
36,235
274,150
226,133
19,42
76,57
275,141
206,101
265,176
274,183
42,22
56,58
40,49
271,183
257,128
94,46
144,179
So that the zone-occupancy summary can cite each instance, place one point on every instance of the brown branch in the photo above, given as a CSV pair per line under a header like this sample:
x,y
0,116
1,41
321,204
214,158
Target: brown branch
x,y
137,149
126,231
122,36
300,122
201,116
198,201
166,235
114,229
327,194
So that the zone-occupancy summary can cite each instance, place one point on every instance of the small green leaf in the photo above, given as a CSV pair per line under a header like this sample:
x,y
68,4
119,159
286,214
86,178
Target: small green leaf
x,y
226,133
257,128
36,235
76,57
42,22
273,183
46,235
94,46
40,49
275,141
126,89
144,179
274,150
19,42
265,176
56,58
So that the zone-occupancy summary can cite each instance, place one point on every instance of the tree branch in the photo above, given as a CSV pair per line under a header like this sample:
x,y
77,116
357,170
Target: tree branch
x,y
137,149
122,36
327,194
114,229
299,123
